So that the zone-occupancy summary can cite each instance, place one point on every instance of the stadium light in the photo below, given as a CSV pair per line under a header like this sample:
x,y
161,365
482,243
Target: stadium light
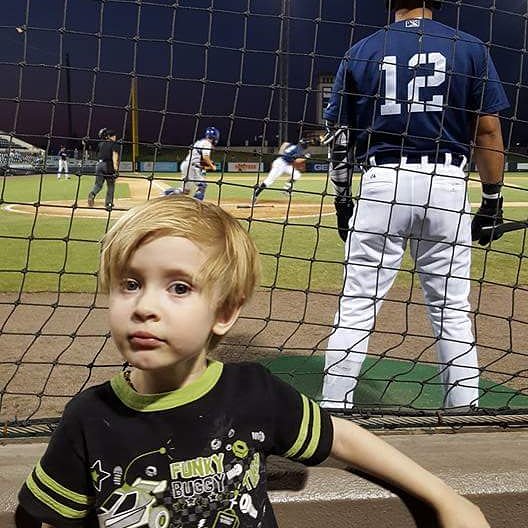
x,y
284,71
20,29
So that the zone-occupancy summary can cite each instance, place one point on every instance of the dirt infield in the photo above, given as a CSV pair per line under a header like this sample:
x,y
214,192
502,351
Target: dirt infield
x,y
142,189
267,209
52,346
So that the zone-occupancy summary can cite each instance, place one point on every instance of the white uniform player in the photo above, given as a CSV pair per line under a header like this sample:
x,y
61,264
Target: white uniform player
x,y
194,166
411,126
63,163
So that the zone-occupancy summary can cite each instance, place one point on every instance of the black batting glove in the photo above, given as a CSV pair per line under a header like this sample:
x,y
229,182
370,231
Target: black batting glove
x,y
344,207
489,214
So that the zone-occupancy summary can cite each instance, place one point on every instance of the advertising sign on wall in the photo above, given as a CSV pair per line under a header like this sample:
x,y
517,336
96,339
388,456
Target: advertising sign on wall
x,y
317,166
159,166
245,166
125,166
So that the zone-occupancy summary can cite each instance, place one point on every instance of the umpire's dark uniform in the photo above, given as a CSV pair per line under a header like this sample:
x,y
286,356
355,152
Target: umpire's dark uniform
x,y
105,170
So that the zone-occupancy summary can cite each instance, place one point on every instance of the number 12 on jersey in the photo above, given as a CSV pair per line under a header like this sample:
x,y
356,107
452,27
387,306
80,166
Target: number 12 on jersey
x,y
414,103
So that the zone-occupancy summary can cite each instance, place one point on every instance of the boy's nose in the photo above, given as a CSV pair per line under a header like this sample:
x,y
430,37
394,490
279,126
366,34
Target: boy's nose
x,y
147,305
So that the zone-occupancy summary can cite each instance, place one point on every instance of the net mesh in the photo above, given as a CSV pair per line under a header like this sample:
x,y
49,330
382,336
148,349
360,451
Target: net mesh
x,y
260,72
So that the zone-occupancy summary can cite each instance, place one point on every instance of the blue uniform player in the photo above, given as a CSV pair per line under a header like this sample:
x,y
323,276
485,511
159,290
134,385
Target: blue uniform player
x,y
411,100
284,163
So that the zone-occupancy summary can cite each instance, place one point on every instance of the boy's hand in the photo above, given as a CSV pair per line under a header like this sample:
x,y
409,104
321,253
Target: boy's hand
x,y
458,512
372,455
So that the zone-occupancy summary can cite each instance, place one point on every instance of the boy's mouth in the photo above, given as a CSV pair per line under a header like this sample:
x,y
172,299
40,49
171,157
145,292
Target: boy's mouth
x,y
144,340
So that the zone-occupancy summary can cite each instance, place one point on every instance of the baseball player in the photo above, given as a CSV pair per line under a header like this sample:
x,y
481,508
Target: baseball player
x,y
63,163
195,165
284,164
107,168
410,100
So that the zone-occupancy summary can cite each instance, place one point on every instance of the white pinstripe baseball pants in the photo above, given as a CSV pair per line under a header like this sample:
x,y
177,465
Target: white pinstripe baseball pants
x,y
431,211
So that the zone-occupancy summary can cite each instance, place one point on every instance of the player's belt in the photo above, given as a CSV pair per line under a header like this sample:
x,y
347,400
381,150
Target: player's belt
x,y
413,158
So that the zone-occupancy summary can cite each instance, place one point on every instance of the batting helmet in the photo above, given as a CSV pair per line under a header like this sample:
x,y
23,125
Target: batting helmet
x,y
213,134
435,4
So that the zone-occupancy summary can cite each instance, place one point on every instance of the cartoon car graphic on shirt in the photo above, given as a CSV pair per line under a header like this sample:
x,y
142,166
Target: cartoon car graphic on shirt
x,y
134,506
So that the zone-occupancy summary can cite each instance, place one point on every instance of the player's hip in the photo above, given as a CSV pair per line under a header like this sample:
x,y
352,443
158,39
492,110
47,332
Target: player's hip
x,y
413,180
404,193
191,171
281,163
105,168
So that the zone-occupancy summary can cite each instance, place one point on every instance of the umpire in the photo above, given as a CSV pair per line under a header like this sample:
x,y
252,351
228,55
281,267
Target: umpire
x,y
107,168
414,100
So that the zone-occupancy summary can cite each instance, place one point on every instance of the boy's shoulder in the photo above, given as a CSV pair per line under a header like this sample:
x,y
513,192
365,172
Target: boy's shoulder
x,y
246,372
255,380
88,400
248,377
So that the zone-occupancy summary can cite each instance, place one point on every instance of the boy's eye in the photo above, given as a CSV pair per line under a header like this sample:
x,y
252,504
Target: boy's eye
x,y
180,288
130,285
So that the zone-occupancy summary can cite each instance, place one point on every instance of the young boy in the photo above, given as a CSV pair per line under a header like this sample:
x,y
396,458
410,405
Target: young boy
x,y
178,439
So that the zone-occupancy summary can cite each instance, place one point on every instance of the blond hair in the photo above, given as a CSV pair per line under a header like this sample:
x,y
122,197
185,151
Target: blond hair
x,y
232,266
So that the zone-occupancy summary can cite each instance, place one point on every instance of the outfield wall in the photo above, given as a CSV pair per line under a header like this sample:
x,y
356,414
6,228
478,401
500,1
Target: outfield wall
x,y
316,164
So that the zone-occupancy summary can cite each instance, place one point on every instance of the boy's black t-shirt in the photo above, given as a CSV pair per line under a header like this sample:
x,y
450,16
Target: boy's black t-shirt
x,y
187,458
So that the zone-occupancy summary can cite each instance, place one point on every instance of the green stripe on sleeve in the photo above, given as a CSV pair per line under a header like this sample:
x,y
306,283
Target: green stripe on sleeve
x,y
53,485
303,430
316,432
62,510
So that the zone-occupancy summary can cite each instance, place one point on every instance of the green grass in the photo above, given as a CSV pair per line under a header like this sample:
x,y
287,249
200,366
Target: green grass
x,y
31,189
44,253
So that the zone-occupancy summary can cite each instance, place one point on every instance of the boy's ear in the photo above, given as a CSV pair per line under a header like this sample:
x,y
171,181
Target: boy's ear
x,y
225,319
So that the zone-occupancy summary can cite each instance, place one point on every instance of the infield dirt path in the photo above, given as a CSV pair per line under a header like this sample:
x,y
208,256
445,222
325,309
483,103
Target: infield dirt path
x,y
142,189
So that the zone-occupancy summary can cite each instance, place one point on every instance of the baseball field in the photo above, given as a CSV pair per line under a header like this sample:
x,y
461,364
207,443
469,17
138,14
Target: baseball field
x,y
54,337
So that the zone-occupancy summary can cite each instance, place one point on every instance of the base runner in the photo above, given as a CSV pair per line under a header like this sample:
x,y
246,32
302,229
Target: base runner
x,y
285,163
195,166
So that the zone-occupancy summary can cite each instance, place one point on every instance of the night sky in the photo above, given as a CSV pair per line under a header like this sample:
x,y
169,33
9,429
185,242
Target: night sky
x,y
206,62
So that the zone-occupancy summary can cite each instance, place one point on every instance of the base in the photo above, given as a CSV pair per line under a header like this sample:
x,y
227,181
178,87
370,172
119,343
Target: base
x,y
249,206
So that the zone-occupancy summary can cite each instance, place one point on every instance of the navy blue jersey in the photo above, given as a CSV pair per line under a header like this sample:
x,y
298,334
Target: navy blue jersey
x,y
291,152
416,86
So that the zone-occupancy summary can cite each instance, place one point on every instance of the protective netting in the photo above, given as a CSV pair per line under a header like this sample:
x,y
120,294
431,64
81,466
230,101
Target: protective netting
x,y
261,73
